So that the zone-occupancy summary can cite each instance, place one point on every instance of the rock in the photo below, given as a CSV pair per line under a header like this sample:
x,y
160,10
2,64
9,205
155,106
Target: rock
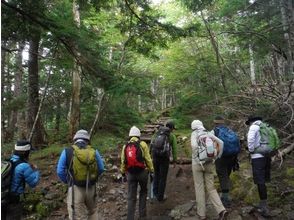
x,y
276,212
290,215
112,192
234,215
52,196
182,210
114,168
246,210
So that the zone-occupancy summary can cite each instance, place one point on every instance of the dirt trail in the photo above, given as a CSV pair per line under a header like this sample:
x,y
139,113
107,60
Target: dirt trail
x,y
112,192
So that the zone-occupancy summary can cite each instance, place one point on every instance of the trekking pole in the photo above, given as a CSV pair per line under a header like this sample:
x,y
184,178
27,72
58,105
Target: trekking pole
x,y
72,202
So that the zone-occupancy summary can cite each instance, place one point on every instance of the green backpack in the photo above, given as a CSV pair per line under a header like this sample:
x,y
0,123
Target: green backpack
x,y
84,166
269,140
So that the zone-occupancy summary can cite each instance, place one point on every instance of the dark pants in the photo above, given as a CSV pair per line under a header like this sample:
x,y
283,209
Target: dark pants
x,y
261,168
133,180
224,167
12,211
161,165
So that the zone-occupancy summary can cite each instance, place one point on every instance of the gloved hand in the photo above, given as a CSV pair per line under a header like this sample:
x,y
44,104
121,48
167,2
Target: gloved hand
x,y
151,177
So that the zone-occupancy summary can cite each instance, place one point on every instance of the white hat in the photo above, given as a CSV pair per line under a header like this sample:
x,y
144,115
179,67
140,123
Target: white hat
x,y
197,125
82,134
134,132
22,145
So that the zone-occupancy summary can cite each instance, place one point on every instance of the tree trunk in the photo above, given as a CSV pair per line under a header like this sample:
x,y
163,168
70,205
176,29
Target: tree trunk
x,y
76,85
101,95
216,50
3,73
33,91
286,9
252,66
13,124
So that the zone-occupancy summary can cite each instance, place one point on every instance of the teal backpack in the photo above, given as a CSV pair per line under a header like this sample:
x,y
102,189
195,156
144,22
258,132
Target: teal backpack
x,y
269,140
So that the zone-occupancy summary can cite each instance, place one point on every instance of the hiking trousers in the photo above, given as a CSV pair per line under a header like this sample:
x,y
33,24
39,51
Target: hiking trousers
x,y
224,167
140,178
204,184
161,166
85,204
12,211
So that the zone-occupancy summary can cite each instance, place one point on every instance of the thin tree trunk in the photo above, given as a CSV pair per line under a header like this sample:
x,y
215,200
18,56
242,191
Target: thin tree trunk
x,y
216,50
101,95
3,75
76,85
17,91
286,29
252,66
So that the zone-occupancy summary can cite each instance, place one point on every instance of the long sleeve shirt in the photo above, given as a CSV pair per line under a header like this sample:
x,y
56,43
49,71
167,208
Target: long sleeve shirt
x,y
145,154
173,142
253,139
23,173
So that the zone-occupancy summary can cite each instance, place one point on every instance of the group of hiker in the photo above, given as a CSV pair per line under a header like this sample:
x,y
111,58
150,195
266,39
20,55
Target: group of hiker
x,y
80,165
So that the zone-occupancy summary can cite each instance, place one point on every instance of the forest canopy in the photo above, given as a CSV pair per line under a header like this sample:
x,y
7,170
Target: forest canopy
x,y
106,65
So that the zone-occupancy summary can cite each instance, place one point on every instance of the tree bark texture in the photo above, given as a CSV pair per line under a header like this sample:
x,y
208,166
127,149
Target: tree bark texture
x,y
33,92
76,85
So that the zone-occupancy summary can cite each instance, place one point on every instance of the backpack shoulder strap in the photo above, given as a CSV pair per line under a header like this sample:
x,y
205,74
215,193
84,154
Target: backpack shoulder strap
x,y
69,156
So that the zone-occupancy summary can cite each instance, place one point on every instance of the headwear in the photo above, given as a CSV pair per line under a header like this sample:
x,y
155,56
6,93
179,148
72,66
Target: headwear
x,y
170,124
197,125
134,132
252,119
22,145
82,134
219,120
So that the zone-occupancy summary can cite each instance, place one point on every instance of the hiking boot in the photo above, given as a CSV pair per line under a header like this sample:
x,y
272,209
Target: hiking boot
x,y
226,202
223,215
264,211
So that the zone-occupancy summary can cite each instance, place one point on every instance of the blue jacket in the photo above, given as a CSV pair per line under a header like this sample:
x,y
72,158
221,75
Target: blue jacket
x,y
62,169
23,173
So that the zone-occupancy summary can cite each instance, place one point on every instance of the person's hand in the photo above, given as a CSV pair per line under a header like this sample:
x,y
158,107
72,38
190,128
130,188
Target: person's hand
x,y
151,177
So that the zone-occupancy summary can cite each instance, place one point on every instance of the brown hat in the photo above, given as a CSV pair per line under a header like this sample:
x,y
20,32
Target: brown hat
x,y
219,120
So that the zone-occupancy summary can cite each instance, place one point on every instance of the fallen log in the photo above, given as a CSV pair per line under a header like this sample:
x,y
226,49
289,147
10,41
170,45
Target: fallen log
x,y
282,153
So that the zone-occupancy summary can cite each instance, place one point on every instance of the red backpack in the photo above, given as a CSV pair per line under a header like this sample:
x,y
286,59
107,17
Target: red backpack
x,y
134,157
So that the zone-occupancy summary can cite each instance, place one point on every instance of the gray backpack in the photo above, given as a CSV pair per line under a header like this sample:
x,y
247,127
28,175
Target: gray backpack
x,y
160,145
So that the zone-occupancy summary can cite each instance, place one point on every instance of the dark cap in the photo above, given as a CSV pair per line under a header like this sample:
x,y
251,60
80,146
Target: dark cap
x,y
252,119
219,119
170,124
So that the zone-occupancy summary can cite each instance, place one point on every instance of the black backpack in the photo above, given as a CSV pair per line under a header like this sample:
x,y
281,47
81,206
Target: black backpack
x,y
160,145
7,169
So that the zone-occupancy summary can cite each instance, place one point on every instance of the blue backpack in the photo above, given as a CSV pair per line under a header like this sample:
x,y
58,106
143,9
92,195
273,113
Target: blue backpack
x,y
230,139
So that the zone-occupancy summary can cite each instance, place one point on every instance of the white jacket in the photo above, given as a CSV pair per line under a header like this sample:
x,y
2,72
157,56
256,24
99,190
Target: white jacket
x,y
194,139
253,139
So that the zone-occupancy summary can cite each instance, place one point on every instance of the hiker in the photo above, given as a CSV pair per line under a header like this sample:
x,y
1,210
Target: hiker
x,y
205,149
261,163
163,143
135,163
79,167
228,162
22,173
